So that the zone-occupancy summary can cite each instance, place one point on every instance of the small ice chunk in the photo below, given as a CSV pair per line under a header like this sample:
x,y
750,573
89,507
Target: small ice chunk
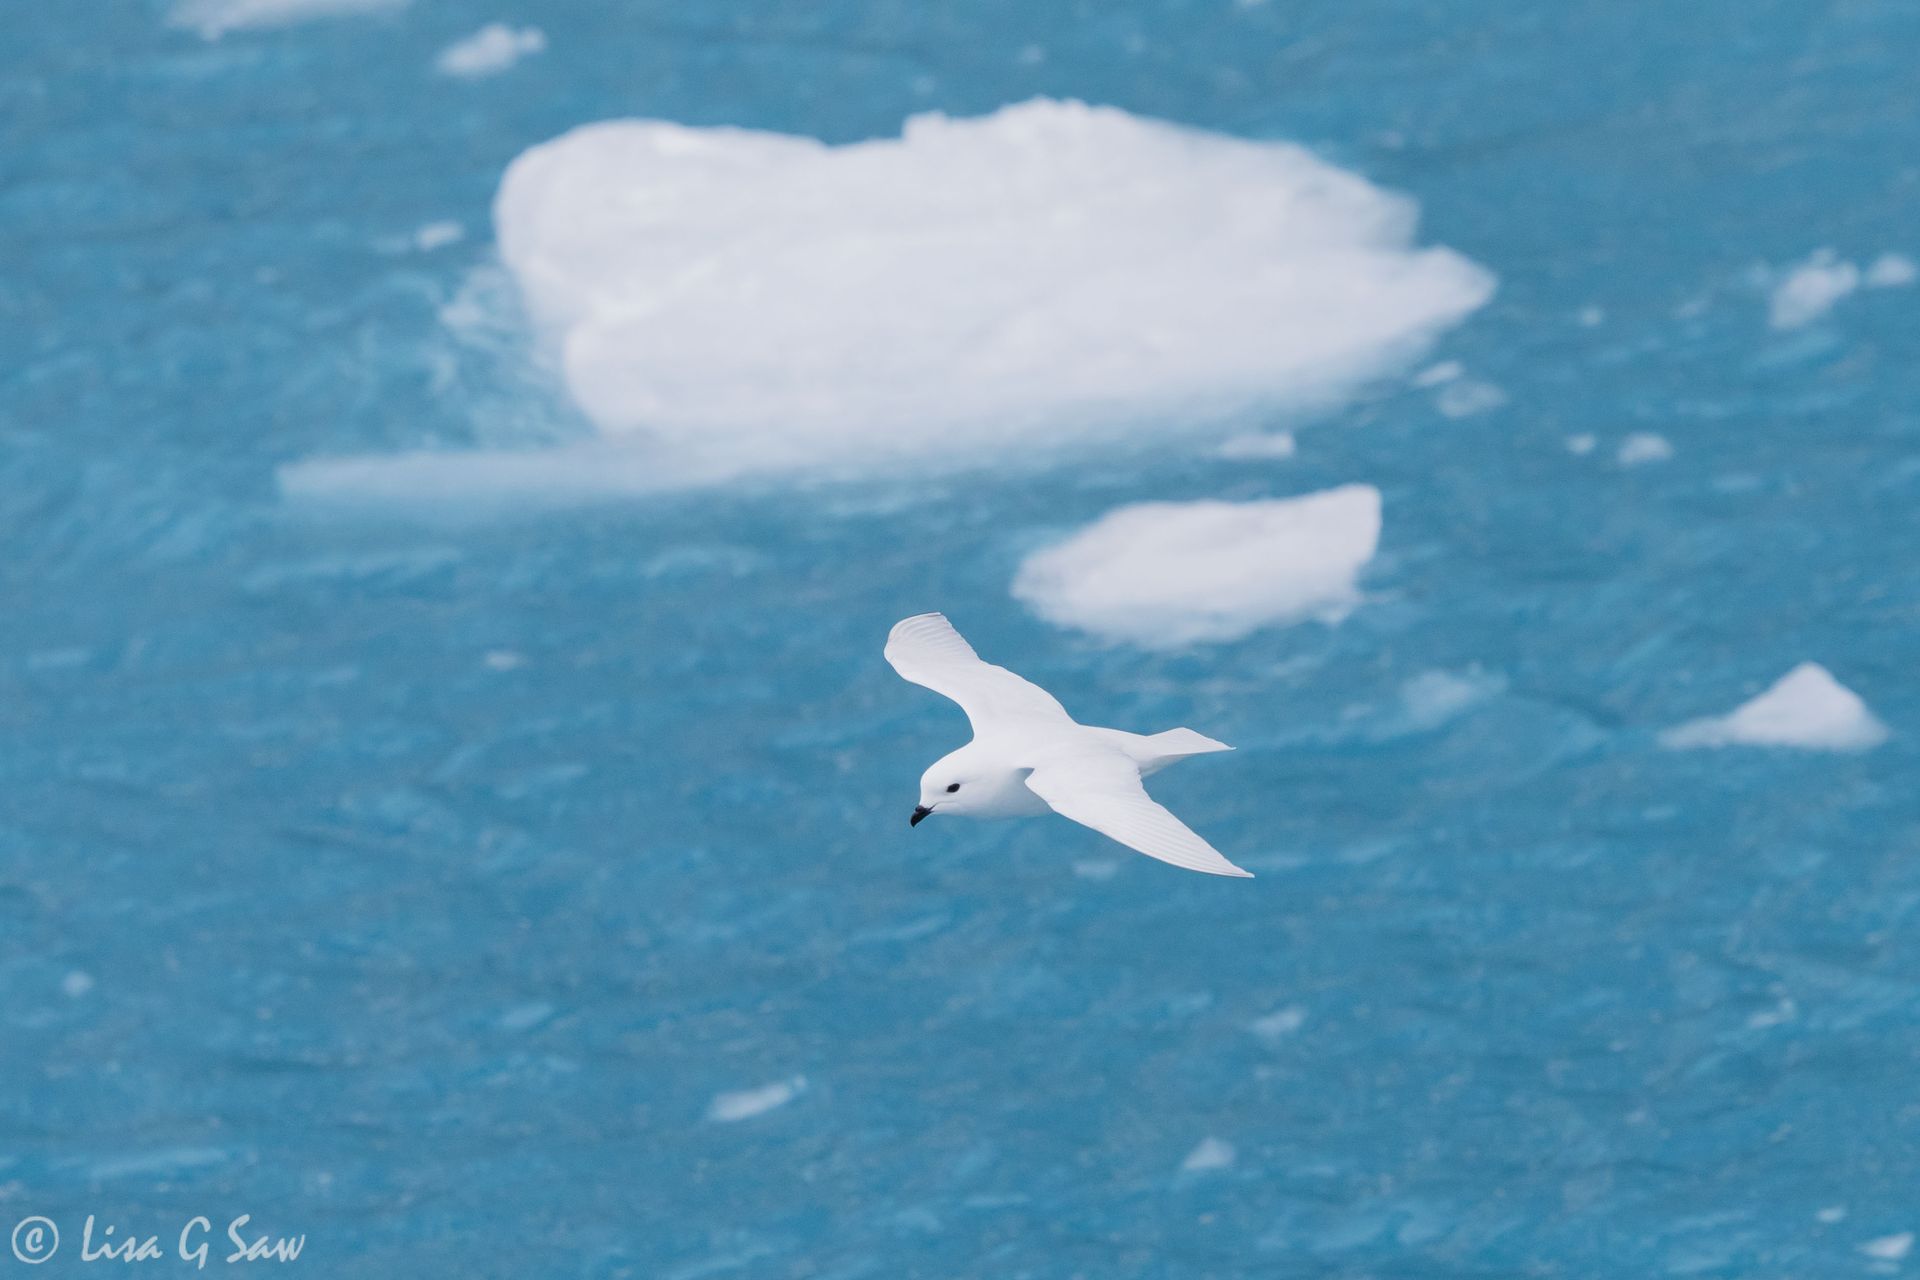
x,y
1436,374
1889,1248
744,1104
1166,574
1581,445
1892,271
438,235
489,51
1212,1153
1809,291
1591,317
1278,444
1806,708
1090,869
1467,397
1281,1022
1832,1213
76,984
1643,447
503,660
212,19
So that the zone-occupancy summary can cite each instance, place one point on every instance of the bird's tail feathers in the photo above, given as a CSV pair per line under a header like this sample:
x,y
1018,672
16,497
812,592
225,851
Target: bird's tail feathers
x,y
1183,742
1155,751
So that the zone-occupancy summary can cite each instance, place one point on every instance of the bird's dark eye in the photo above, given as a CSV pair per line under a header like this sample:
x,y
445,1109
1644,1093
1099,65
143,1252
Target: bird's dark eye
x,y
952,787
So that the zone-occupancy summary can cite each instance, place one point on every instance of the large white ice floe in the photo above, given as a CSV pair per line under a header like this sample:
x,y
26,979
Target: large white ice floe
x,y
1805,708
1042,277
1167,574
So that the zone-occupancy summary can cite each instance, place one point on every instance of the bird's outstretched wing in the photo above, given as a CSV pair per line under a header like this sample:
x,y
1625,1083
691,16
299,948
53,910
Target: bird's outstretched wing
x,y
1102,790
928,651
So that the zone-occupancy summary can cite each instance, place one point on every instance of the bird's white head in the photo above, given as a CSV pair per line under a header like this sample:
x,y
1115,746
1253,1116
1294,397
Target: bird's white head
x,y
962,782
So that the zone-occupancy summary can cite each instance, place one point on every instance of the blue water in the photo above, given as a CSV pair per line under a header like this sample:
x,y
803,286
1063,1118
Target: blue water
x,y
414,881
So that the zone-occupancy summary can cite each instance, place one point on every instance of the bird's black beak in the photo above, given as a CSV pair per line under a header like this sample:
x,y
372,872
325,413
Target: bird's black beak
x,y
919,811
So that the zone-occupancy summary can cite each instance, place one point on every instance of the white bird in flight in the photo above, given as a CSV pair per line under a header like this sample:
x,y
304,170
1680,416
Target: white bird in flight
x,y
1028,756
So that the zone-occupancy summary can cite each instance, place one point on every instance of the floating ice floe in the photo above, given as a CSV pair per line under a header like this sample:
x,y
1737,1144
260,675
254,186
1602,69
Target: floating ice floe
x,y
1210,1154
1892,271
212,19
1166,574
1048,275
1889,1248
1805,708
1641,448
438,235
1811,289
489,51
1281,1022
744,1104
1019,288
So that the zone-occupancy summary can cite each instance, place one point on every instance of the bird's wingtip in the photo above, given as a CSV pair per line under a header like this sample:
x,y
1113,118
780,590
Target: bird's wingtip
x,y
918,617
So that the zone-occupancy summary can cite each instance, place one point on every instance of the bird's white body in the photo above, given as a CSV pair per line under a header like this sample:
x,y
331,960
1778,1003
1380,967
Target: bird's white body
x,y
1029,757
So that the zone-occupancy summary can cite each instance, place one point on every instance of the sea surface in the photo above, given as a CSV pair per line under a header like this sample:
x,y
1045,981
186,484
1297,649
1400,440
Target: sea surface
x,y
523,888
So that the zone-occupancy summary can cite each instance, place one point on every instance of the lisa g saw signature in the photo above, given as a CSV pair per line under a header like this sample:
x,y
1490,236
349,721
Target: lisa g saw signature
x,y
37,1240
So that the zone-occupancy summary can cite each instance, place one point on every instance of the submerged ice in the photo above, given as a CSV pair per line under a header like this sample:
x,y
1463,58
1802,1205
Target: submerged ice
x,y
212,19
751,301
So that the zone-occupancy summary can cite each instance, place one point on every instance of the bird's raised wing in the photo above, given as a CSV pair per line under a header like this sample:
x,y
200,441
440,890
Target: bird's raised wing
x,y
1102,790
928,651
